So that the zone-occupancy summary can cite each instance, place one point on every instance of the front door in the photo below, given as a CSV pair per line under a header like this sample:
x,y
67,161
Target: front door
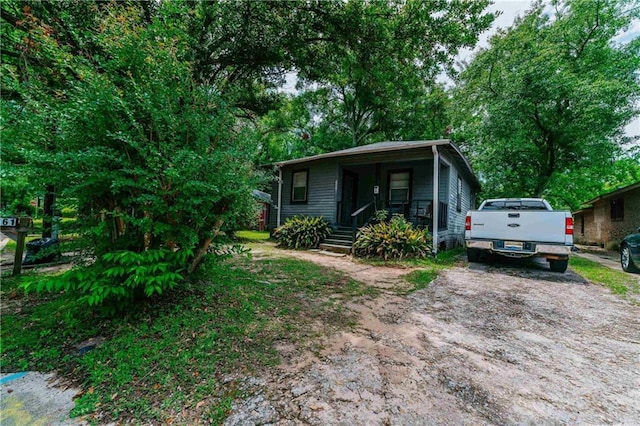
x,y
349,196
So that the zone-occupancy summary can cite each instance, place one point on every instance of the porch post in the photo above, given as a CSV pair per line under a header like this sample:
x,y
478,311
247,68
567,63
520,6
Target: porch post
x,y
436,181
279,194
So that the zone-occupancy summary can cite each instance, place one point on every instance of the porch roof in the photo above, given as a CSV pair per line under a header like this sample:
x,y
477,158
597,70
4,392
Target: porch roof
x,y
388,147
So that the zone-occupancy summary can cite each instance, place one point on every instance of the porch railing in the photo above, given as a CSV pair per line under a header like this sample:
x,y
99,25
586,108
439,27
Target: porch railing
x,y
417,211
360,218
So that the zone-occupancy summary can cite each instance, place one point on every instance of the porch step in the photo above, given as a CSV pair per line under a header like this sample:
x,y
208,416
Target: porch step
x,y
340,236
336,248
339,241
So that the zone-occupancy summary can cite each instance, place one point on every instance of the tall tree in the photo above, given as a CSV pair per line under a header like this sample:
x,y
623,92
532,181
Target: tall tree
x,y
549,99
382,70
157,162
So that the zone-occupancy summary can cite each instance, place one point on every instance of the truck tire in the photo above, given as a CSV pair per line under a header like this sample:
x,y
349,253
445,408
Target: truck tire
x,y
473,254
559,265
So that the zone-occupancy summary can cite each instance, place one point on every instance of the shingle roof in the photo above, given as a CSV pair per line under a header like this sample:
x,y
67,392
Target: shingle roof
x,y
368,149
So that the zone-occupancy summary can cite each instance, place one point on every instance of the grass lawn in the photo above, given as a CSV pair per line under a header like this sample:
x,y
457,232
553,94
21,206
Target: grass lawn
x,y
253,235
619,282
178,358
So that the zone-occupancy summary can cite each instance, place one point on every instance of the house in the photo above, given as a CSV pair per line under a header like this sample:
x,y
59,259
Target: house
x,y
429,182
605,220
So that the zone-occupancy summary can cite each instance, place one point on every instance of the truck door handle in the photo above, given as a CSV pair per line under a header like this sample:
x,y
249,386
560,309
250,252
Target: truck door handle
x,y
514,214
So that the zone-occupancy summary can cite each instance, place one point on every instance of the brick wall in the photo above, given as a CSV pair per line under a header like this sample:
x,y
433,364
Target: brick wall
x,y
600,229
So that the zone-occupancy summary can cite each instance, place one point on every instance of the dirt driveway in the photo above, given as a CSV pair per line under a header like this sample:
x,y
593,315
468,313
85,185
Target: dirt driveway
x,y
483,344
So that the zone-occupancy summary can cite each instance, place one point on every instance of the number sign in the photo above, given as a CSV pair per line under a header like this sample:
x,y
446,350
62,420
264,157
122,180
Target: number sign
x,y
9,221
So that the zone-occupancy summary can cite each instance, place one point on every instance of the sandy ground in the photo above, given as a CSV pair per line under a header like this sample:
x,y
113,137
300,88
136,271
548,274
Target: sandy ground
x,y
483,344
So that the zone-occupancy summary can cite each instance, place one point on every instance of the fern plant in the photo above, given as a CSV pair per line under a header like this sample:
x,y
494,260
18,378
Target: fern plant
x,y
396,239
302,232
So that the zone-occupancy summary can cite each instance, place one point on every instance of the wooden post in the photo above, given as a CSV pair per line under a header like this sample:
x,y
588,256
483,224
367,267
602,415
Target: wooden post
x,y
23,228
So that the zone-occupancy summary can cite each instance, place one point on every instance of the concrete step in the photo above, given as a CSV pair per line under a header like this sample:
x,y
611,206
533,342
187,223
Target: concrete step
x,y
343,237
335,248
338,241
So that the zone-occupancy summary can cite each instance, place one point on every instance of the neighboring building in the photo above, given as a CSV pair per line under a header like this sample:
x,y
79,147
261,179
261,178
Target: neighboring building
x,y
605,220
410,178
264,201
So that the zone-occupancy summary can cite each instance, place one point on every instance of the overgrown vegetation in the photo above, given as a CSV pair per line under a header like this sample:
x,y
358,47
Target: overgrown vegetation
x,y
395,239
302,232
179,358
619,282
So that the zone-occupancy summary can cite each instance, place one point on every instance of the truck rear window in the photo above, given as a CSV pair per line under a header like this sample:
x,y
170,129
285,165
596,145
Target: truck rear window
x,y
514,205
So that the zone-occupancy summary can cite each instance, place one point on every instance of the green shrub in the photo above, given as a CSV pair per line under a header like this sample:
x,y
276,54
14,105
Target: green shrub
x,y
302,232
118,278
396,239
69,212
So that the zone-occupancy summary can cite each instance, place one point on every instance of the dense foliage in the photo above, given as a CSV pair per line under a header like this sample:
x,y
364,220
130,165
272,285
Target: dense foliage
x,y
542,111
393,239
301,232
149,115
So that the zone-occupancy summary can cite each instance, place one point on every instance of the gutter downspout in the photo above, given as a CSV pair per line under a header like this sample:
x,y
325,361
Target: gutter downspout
x,y
279,195
436,201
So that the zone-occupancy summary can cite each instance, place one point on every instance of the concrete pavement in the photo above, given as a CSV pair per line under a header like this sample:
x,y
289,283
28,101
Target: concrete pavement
x,y
32,398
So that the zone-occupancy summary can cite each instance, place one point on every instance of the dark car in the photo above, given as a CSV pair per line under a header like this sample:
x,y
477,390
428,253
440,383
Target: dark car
x,y
630,252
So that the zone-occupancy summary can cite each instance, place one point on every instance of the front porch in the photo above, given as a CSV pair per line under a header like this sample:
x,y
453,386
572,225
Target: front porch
x,y
418,212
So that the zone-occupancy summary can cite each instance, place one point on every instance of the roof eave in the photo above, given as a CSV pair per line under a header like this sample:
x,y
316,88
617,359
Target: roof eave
x,y
336,154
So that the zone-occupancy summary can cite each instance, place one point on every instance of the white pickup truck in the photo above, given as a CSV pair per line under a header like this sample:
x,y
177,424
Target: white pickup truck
x,y
520,227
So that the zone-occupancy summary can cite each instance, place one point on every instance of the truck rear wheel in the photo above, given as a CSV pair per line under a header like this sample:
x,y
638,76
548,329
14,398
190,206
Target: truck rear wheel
x,y
473,254
559,265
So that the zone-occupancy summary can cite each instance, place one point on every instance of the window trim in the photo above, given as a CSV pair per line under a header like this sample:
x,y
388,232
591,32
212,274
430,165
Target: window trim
x,y
306,187
398,171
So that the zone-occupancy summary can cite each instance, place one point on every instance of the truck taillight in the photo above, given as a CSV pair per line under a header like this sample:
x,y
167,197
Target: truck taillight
x,y
467,223
568,226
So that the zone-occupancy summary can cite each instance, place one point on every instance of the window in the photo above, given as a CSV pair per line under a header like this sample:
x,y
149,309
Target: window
x,y
299,184
617,209
459,195
399,186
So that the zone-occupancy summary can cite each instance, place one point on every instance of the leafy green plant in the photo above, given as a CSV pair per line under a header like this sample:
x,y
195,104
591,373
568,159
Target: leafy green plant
x,y
119,277
396,239
302,232
380,216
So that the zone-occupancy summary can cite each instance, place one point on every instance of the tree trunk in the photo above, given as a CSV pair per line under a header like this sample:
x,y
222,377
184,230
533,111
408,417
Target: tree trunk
x,y
202,251
204,246
47,219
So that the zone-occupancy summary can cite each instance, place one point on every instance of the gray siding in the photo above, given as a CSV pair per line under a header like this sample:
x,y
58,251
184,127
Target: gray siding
x,y
454,235
321,192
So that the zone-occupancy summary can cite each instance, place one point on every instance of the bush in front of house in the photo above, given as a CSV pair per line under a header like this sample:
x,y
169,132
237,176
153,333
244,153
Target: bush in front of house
x,y
302,232
396,239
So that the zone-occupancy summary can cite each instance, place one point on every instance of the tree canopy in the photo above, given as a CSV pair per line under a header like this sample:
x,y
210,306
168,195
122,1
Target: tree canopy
x,y
542,110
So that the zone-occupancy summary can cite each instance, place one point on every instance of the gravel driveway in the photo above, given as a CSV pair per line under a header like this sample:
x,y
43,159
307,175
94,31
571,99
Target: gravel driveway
x,y
483,344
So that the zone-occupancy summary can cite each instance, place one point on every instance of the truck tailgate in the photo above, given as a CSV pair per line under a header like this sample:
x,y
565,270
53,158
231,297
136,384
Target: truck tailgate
x,y
543,226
